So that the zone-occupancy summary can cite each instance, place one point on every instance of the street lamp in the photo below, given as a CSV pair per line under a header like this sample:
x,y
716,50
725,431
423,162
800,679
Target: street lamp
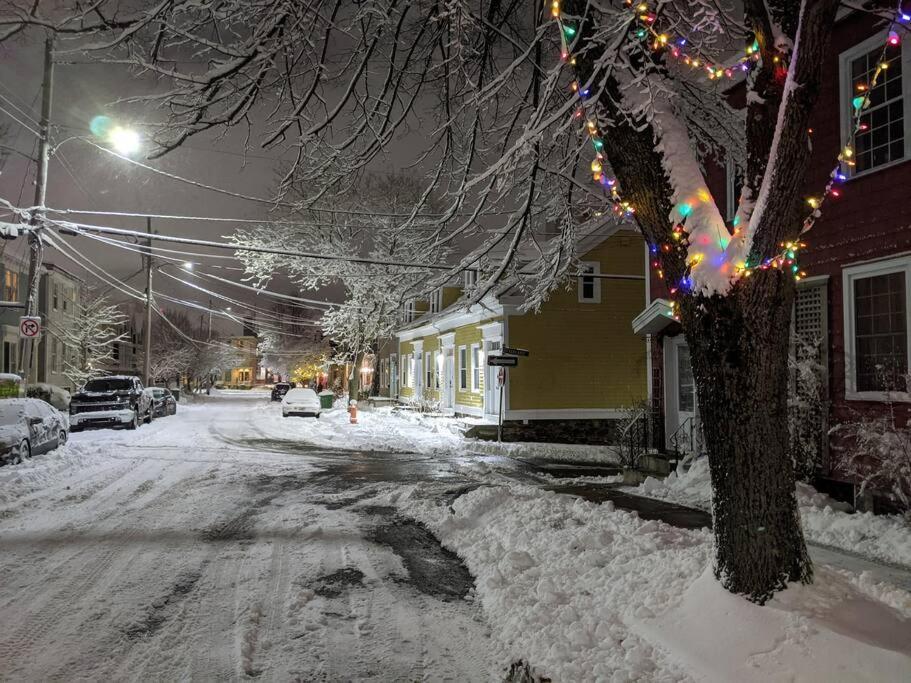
x,y
125,140
188,265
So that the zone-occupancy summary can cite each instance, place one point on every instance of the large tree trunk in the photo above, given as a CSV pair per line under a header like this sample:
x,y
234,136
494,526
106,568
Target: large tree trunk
x,y
739,350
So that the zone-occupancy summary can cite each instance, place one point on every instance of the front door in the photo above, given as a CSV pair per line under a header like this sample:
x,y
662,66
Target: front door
x,y
683,429
448,379
492,380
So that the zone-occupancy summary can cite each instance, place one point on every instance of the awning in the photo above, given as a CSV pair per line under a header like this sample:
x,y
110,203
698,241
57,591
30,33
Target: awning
x,y
654,318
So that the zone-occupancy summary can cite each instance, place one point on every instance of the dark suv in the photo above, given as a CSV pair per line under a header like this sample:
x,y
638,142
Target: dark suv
x,y
115,401
280,389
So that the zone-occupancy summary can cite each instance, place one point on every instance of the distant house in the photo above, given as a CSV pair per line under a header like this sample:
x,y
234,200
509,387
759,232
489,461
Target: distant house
x,y
247,372
585,366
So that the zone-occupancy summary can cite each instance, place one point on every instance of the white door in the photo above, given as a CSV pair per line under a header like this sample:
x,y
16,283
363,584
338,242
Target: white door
x,y
492,380
682,414
448,379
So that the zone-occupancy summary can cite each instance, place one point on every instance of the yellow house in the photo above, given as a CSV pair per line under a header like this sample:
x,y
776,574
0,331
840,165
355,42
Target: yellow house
x,y
584,361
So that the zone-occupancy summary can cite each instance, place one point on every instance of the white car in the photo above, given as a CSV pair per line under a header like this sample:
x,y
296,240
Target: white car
x,y
300,402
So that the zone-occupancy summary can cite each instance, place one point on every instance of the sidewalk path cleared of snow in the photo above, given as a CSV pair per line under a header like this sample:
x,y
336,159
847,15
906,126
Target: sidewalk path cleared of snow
x,y
583,592
825,521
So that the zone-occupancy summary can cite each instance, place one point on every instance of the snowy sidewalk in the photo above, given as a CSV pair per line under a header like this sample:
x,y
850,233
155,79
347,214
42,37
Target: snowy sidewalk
x,y
585,592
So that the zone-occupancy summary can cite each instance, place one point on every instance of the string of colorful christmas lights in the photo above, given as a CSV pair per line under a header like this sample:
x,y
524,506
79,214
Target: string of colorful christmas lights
x,y
675,46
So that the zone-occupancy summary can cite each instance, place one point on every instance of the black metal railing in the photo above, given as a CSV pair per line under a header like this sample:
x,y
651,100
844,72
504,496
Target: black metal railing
x,y
686,439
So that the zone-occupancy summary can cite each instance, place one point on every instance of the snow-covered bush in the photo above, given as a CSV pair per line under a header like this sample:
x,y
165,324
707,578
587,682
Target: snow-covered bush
x,y
49,393
876,451
807,406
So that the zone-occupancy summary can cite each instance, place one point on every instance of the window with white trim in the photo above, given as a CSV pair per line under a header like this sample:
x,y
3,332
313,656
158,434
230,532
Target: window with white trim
x,y
409,310
877,328
477,362
405,365
428,370
436,301
469,278
883,135
590,287
438,368
463,368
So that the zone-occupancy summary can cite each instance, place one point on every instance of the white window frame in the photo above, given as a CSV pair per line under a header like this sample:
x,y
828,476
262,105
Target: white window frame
x,y
847,93
901,264
477,362
404,370
428,370
596,289
436,301
463,368
410,310
469,278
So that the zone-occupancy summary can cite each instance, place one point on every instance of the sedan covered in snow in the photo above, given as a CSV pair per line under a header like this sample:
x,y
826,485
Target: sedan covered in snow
x,y
300,402
29,426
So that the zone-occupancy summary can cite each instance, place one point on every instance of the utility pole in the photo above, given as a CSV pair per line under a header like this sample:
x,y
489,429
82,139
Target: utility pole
x,y
209,337
147,333
36,247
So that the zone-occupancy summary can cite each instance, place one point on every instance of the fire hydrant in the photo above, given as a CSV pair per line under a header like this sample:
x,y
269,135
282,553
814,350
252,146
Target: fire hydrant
x,y
352,411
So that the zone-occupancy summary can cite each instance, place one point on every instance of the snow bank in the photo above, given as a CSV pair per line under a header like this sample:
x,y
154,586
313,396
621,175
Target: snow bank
x,y
577,453
380,429
584,592
825,521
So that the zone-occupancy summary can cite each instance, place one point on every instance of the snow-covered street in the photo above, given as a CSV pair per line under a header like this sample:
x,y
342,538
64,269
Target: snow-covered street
x,y
210,545
227,542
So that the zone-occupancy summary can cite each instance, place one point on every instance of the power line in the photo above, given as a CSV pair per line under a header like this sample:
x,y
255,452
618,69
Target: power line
x,y
82,228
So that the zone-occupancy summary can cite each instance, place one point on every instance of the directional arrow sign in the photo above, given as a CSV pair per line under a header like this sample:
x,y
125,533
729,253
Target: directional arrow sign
x,y
510,351
505,361
29,327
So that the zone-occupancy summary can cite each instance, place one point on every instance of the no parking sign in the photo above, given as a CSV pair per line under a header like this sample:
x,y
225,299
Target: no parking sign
x,y
29,327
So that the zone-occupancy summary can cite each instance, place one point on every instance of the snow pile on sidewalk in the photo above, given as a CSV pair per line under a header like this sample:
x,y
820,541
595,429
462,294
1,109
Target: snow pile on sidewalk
x,y
563,452
583,592
826,521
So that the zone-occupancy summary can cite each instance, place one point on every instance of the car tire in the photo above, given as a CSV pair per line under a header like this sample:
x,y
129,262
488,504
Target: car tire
x,y
149,417
25,450
316,415
134,423
61,438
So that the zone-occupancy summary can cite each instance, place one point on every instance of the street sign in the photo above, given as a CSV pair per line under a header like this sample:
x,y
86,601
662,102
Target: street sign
x,y
505,361
29,327
510,351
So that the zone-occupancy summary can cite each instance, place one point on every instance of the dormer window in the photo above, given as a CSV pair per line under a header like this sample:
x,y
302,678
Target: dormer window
x,y
436,301
410,311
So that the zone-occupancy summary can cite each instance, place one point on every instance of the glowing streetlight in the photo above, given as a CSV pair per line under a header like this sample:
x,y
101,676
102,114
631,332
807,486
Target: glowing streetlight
x,y
188,265
125,140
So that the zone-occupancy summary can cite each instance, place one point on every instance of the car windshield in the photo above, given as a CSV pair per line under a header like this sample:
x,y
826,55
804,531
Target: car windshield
x,y
112,384
158,393
10,414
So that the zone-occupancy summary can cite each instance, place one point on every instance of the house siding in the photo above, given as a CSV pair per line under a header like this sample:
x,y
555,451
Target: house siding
x,y
585,355
466,336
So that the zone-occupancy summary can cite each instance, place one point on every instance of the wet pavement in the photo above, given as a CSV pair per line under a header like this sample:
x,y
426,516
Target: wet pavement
x,y
341,470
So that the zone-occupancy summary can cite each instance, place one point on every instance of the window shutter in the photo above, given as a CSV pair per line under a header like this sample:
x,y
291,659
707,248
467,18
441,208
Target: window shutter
x,y
811,338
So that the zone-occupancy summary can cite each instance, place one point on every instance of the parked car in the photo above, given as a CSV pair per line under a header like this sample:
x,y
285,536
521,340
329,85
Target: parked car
x,y
29,426
163,401
301,402
114,401
280,389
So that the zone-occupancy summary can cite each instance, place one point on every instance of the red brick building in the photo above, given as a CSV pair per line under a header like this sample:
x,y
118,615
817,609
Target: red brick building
x,y
857,292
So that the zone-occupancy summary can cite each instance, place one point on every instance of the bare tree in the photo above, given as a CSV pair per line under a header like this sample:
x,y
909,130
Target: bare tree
x,y
89,342
498,104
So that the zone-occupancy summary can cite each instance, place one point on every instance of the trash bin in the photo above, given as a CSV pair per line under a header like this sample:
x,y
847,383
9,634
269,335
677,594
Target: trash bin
x,y
326,399
176,394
